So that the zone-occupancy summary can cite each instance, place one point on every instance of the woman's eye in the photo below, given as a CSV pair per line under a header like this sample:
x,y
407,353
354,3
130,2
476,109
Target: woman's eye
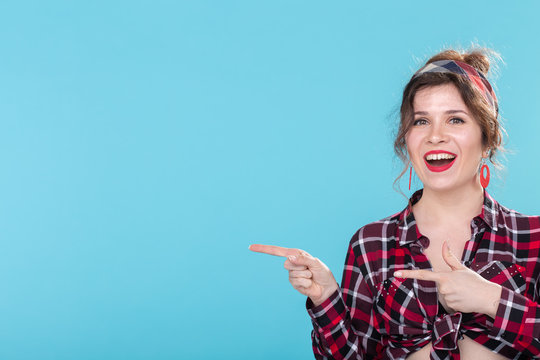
x,y
419,122
457,121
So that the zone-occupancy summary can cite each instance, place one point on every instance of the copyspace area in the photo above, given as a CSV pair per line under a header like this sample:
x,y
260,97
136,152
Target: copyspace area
x,y
145,144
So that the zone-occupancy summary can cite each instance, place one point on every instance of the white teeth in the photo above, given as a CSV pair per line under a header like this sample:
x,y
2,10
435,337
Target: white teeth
x,y
439,156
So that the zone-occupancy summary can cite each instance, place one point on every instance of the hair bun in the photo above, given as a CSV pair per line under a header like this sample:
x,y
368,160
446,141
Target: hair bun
x,y
479,58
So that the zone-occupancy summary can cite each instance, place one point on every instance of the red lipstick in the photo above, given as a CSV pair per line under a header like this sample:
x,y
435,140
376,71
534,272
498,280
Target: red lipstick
x,y
442,167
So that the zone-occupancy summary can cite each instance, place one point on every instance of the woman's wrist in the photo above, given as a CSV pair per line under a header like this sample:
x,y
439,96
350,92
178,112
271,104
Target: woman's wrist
x,y
325,295
494,298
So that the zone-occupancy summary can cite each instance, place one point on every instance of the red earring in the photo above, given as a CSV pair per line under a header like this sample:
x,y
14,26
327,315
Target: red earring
x,y
410,178
484,180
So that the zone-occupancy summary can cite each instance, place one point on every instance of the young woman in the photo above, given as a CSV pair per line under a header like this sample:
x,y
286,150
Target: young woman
x,y
405,291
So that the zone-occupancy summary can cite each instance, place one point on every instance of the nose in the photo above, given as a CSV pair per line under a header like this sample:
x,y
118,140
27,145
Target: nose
x,y
437,133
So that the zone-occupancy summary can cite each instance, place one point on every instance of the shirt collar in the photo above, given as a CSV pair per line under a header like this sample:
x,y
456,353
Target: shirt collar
x,y
408,231
490,212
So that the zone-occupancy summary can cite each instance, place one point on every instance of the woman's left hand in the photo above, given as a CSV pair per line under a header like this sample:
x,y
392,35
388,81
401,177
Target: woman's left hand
x,y
461,288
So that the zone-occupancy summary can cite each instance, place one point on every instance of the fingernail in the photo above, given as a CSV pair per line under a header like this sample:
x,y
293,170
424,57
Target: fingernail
x,y
292,258
398,274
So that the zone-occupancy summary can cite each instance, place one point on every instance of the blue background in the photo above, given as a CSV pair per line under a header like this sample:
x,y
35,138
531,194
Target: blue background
x,y
145,144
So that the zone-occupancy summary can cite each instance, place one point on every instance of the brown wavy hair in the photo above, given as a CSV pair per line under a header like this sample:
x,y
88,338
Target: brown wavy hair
x,y
481,109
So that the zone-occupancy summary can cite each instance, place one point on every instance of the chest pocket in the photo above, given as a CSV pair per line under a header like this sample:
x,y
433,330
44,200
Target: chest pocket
x,y
503,273
397,307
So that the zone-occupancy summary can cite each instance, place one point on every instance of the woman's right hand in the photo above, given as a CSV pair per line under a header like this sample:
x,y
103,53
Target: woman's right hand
x,y
307,274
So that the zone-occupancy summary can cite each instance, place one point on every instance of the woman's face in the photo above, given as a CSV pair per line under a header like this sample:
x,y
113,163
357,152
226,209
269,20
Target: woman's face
x,y
445,140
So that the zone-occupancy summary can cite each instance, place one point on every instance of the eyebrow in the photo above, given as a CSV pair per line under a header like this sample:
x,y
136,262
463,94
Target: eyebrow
x,y
446,112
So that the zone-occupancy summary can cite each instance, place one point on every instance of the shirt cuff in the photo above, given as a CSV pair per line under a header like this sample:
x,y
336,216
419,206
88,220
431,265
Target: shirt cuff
x,y
510,321
328,314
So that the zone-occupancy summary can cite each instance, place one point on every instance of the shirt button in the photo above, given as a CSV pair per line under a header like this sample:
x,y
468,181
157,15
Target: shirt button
x,y
416,250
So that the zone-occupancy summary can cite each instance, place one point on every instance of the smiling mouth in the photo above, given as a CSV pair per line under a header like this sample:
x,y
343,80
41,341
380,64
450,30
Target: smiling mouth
x,y
438,162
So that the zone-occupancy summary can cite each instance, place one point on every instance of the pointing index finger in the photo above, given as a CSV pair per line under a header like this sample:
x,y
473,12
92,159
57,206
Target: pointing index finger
x,y
418,274
274,250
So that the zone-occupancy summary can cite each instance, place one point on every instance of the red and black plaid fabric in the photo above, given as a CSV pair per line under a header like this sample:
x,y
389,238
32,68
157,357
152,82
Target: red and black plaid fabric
x,y
377,316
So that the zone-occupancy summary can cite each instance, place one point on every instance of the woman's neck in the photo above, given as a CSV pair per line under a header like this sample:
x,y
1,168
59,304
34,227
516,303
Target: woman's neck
x,y
449,206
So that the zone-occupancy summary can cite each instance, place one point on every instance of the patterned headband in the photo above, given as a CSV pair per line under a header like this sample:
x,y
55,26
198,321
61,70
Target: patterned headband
x,y
461,68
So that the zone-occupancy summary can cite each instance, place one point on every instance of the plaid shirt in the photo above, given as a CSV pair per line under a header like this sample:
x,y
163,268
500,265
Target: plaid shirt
x,y
377,316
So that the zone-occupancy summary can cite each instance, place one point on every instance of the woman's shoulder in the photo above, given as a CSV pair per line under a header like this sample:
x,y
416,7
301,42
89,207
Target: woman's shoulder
x,y
509,213
378,232
512,220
